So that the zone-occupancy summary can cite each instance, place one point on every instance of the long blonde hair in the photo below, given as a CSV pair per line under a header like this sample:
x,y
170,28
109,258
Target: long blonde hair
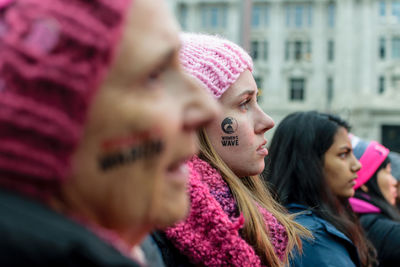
x,y
247,192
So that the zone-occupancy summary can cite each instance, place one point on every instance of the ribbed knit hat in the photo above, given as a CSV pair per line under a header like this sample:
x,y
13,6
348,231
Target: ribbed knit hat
x,y
216,62
53,56
371,155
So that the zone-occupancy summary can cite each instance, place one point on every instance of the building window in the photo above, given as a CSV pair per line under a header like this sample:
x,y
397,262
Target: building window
x,y
213,16
265,50
309,13
391,137
288,15
307,55
297,89
396,47
259,50
396,83
299,15
381,86
329,90
183,15
298,50
382,8
396,10
287,51
254,50
259,82
331,51
260,16
331,15
382,48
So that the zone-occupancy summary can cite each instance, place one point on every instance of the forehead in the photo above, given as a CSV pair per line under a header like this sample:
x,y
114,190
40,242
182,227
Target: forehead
x,y
341,138
150,33
245,83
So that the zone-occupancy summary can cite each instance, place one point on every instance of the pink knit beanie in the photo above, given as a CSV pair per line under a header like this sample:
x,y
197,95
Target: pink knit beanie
x,y
53,57
370,154
217,63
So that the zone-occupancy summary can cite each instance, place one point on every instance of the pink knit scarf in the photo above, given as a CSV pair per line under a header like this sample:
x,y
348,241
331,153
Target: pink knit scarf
x,y
210,234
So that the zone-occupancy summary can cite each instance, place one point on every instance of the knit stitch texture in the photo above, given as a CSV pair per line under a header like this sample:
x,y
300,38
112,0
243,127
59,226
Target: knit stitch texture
x,y
53,56
210,234
216,62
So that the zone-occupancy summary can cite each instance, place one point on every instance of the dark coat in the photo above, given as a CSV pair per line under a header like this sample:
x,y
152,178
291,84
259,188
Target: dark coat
x,y
384,234
330,247
172,257
31,234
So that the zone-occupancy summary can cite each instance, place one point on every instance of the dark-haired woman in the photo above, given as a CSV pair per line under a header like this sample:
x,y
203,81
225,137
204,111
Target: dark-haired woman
x,y
375,199
312,169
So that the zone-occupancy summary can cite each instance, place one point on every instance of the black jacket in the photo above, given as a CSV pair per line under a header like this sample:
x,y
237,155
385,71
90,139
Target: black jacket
x,y
384,234
171,255
31,234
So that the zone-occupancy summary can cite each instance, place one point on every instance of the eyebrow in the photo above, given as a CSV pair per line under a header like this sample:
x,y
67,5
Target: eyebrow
x,y
247,92
346,147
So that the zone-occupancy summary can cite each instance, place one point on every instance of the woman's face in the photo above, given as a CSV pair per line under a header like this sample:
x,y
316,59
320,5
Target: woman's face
x,y
237,134
340,165
387,184
129,170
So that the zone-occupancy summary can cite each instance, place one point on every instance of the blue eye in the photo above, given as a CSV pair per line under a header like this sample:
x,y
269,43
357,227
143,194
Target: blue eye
x,y
245,105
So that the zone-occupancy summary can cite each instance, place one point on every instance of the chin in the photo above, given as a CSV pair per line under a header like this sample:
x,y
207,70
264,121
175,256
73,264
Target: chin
x,y
350,194
258,170
172,213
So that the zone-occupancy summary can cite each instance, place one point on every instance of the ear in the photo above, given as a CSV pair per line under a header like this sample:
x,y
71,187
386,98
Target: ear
x,y
364,188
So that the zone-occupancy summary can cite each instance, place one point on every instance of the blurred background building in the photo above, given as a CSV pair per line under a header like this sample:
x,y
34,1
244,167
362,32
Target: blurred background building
x,y
338,56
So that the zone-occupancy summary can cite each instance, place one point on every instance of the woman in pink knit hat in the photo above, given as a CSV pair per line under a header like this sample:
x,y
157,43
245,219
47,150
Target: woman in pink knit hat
x,y
375,198
96,122
233,220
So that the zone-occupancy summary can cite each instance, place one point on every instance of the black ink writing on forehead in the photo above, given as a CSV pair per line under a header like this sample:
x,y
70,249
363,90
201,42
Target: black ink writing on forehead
x,y
229,125
131,155
229,140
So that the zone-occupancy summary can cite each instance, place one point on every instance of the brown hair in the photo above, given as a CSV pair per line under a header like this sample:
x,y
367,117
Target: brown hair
x,y
247,192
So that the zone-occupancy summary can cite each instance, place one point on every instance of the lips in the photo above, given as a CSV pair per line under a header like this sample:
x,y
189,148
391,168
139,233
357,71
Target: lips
x,y
178,171
353,181
261,150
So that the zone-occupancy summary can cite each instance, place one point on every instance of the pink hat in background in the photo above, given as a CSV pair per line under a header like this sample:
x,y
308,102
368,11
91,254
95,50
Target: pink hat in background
x,y
371,155
53,56
216,62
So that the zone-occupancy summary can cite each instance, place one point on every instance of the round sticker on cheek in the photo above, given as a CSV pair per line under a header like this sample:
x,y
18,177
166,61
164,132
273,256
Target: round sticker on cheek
x,y
229,125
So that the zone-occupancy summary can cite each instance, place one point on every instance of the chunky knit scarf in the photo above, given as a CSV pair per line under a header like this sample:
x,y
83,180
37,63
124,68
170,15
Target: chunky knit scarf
x,y
210,234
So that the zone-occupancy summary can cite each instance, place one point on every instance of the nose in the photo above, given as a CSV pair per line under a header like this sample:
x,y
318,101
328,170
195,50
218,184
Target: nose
x,y
356,166
201,107
263,122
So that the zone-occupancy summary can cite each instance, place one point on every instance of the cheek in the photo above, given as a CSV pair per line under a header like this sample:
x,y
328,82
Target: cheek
x,y
234,133
127,149
333,175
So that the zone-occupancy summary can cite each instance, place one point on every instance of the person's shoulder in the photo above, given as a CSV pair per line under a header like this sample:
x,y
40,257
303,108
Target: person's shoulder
x,y
306,217
381,225
317,225
373,218
326,241
32,233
